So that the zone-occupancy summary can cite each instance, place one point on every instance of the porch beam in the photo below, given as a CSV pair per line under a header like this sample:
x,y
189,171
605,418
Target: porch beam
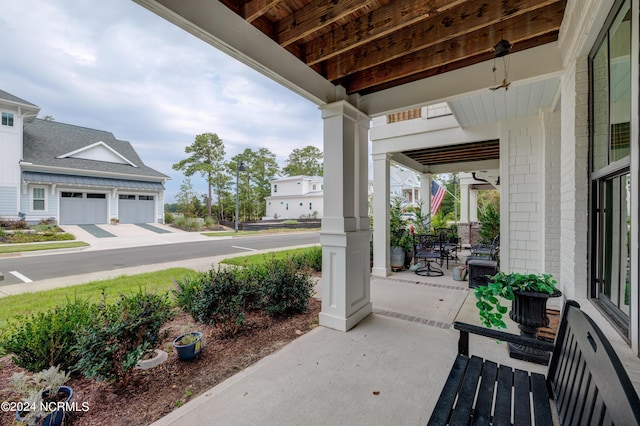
x,y
377,24
314,17
433,37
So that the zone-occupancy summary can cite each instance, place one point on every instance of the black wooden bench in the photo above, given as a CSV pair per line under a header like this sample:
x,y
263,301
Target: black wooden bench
x,y
586,383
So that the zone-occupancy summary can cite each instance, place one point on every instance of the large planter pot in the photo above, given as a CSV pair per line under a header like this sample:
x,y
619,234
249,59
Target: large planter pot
x,y
529,310
55,417
190,350
397,258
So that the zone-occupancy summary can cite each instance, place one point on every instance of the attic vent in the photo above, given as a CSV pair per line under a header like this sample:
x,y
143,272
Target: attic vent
x,y
98,151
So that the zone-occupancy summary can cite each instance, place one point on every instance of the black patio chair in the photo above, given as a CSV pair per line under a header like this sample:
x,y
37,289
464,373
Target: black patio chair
x,y
427,249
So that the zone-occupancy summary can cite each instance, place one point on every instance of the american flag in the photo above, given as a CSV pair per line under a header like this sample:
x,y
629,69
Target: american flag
x,y
437,195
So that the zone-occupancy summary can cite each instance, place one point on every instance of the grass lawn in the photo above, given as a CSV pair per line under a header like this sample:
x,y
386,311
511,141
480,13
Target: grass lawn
x,y
28,303
15,248
263,257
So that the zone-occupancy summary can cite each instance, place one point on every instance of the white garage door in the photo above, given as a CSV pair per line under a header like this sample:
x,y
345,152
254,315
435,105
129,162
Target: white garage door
x,y
136,208
83,208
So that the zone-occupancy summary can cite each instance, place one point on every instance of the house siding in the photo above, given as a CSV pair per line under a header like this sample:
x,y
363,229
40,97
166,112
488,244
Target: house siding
x,y
8,201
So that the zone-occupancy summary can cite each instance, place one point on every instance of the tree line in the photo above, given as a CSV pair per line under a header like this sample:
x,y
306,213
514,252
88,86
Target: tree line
x,y
207,158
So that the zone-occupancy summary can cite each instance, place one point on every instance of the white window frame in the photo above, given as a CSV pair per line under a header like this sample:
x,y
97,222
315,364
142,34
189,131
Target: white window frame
x,y
33,199
8,115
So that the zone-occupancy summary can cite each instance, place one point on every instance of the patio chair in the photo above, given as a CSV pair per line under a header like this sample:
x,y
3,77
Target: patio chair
x,y
450,243
485,251
427,249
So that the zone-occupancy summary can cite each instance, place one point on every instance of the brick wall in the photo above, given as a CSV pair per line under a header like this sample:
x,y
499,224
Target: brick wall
x,y
524,199
574,180
552,170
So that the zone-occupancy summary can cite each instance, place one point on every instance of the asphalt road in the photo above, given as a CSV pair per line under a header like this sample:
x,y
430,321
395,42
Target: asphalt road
x,y
37,268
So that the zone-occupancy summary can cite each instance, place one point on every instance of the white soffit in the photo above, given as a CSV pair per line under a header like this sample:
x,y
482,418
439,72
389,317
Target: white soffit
x,y
488,106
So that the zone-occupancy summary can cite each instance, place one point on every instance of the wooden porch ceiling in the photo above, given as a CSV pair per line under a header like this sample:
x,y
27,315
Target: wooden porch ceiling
x,y
370,45
461,153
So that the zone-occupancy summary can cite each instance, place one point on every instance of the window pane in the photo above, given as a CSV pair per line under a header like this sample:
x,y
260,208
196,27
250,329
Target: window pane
x,y
620,84
38,204
38,193
600,109
616,251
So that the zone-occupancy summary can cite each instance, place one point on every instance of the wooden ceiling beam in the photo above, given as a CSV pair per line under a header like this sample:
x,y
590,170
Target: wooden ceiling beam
x,y
473,17
315,16
375,24
256,8
450,55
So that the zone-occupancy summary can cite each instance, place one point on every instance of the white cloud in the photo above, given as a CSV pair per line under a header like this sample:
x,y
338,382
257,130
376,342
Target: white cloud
x,y
116,66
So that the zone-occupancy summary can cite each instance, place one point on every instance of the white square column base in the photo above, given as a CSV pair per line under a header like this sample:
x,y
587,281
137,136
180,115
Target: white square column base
x,y
346,295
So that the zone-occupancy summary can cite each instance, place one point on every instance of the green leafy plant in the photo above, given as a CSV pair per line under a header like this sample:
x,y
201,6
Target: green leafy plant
x,y
221,302
285,288
112,344
397,225
41,340
502,286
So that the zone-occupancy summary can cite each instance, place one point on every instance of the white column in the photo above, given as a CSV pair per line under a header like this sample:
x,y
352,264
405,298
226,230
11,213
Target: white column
x,y
464,203
425,192
381,199
345,234
473,205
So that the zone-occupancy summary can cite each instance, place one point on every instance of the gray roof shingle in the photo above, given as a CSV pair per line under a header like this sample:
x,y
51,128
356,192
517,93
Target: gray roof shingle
x,y
44,141
11,98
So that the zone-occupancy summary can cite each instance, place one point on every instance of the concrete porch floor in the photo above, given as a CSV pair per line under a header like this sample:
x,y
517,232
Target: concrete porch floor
x,y
387,370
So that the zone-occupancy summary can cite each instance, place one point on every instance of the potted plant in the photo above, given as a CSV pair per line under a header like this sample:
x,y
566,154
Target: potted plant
x,y
115,221
397,231
41,395
188,345
529,294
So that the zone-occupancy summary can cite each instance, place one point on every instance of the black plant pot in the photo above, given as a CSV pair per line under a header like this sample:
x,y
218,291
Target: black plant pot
x,y
55,417
529,310
190,350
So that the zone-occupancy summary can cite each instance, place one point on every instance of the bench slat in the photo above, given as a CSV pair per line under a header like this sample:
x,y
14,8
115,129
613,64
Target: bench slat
x,y
467,393
502,412
521,401
484,404
442,410
541,404
590,403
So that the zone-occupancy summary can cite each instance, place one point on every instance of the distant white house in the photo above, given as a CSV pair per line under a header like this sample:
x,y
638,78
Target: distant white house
x,y
404,183
295,197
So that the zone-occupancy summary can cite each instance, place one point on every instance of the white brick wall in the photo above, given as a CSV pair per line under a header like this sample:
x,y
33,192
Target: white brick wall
x,y
574,181
552,170
524,194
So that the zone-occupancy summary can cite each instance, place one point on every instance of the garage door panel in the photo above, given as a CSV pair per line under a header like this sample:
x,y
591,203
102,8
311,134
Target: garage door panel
x,y
83,211
136,210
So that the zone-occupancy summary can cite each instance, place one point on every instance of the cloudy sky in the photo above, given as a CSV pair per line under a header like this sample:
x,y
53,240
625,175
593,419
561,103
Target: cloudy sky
x,y
113,65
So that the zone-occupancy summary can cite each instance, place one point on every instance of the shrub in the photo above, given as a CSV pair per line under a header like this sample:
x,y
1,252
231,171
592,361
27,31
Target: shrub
x,y
48,338
221,302
286,288
168,218
112,344
310,258
187,290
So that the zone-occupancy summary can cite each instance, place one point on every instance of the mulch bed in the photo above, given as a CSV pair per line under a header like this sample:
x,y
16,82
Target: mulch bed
x,y
153,393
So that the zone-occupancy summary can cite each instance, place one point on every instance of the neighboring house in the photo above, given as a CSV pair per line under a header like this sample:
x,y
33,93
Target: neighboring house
x,y
295,197
404,183
73,174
